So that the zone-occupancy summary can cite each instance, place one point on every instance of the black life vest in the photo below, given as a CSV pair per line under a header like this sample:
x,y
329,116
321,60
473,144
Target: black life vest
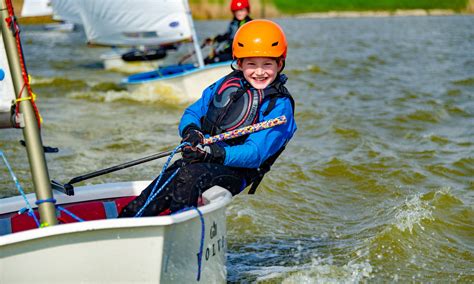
x,y
236,104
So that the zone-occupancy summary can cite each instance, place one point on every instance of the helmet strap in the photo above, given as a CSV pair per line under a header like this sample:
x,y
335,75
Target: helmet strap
x,y
234,64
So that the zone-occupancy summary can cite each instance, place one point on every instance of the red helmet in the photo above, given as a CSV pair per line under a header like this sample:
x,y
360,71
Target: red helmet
x,y
239,4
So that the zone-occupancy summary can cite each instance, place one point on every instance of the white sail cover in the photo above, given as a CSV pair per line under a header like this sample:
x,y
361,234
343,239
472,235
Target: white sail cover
x,y
66,10
36,8
7,94
134,22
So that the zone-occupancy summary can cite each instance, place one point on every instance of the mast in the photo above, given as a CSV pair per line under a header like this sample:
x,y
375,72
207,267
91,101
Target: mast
x,y
197,48
29,124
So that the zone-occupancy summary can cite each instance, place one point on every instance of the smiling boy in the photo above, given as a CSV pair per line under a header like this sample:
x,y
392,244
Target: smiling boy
x,y
252,93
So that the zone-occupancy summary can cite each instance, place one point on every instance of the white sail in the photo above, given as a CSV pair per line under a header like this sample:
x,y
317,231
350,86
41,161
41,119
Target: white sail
x,y
66,10
36,8
7,94
134,22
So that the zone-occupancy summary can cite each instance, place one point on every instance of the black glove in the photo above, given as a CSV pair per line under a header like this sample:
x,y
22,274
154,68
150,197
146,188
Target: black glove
x,y
192,135
206,154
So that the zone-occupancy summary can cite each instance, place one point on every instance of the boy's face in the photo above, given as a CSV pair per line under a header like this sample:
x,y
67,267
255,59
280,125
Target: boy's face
x,y
260,71
241,14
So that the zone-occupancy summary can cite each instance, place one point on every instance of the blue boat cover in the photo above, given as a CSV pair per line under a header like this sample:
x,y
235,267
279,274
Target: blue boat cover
x,y
161,72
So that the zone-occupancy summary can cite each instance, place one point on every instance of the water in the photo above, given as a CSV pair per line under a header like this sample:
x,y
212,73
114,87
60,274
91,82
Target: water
x,y
377,184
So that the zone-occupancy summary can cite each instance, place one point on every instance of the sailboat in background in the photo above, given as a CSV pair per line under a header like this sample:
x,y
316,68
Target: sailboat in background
x,y
148,26
73,236
184,82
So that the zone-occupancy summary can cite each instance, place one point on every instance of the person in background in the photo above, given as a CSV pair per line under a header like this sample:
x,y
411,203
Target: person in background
x,y
252,93
241,10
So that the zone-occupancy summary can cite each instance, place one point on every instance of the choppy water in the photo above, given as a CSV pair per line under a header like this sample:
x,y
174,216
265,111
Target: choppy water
x,y
376,186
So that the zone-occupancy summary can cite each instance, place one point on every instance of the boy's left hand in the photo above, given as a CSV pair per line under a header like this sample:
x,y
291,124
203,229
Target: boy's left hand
x,y
206,154
193,136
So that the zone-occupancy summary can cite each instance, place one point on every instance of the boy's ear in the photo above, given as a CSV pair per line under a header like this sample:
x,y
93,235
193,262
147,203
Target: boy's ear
x,y
239,63
280,63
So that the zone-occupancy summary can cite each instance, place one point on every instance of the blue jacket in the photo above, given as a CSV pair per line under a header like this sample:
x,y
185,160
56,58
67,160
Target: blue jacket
x,y
258,146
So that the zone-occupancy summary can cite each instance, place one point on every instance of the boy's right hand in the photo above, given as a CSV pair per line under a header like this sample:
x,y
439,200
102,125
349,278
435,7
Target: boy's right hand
x,y
205,154
194,137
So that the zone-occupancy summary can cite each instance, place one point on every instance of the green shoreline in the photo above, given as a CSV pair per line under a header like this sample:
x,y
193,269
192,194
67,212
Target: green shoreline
x,y
309,6
218,9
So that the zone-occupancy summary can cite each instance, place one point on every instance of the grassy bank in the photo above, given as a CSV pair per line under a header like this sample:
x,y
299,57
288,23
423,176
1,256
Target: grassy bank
x,y
219,9
307,6
212,9
470,6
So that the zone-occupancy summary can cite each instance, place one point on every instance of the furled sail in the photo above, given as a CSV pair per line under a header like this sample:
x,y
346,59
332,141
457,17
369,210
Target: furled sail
x,y
7,94
134,22
36,8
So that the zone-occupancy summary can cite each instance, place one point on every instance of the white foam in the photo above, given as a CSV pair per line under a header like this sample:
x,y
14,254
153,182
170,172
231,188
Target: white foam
x,y
318,271
112,96
412,213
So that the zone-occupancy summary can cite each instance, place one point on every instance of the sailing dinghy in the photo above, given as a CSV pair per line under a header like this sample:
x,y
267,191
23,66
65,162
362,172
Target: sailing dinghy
x,y
183,81
147,26
50,236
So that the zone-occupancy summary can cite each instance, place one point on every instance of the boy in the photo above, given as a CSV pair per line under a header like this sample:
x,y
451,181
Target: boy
x,y
241,10
252,93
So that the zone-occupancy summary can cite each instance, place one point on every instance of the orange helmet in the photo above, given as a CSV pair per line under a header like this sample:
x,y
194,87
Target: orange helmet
x,y
239,4
259,38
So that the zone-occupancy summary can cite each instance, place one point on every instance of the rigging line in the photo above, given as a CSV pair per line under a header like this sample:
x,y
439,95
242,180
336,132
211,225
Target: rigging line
x,y
154,192
20,189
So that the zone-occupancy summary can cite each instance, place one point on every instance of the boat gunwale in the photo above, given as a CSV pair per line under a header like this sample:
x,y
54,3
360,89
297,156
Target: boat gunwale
x,y
218,198
126,80
82,193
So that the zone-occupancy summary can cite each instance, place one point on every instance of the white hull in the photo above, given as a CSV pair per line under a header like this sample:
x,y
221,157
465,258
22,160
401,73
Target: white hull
x,y
184,88
160,249
114,62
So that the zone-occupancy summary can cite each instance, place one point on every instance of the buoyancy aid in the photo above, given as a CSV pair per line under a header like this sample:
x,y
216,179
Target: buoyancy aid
x,y
233,105
236,104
